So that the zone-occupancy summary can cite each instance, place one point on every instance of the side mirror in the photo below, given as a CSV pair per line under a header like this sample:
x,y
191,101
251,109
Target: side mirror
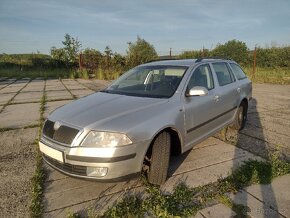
x,y
197,91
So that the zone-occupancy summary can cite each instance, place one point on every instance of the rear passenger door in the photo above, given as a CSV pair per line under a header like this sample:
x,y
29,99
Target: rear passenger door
x,y
227,92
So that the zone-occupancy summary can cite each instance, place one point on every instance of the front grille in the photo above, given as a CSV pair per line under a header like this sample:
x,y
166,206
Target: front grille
x,y
63,134
66,167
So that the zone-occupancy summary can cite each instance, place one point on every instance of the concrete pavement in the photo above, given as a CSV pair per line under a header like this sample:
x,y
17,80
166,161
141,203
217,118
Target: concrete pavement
x,y
268,129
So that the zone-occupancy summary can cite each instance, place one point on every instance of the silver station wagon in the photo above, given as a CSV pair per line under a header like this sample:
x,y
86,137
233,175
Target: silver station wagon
x,y
153,111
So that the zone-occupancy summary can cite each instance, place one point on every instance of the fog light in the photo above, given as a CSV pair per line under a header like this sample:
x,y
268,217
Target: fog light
x,y
97,171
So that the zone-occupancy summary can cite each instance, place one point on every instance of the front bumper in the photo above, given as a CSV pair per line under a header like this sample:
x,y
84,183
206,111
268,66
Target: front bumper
x,y
79,161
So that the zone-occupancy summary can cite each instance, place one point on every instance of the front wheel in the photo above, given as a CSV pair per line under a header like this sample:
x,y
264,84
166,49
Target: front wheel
x,y
241,117
159,160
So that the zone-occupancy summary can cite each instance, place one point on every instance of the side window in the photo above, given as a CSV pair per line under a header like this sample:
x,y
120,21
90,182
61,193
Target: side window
x,y
239,73
201,76
223,74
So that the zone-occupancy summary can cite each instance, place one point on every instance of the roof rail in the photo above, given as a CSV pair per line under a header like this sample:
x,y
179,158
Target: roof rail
x,y
166,59
205,58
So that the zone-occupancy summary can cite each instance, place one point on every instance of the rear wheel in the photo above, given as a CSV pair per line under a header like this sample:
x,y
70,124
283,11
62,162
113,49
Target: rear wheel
x,y
158,161
241,117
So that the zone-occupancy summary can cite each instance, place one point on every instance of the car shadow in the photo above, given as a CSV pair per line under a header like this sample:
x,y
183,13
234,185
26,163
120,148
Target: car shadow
x,y
175,162
258,146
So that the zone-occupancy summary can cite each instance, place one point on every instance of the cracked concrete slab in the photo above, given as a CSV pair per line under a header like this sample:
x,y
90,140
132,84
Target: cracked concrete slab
x,y
17,166
254,207
5,83
34,86
275,195
58,95
216,211
23,97
19,115
6,97
13,88
54,85
53,175
72,84
68,192
94,85
81,92
51,106
95,206
205,163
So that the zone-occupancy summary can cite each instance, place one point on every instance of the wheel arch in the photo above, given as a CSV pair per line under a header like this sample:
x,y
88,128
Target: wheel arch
x,y
245,103
176,141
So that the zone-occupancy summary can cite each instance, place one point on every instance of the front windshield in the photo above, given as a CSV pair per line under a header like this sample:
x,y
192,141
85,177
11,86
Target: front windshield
x,y
148,81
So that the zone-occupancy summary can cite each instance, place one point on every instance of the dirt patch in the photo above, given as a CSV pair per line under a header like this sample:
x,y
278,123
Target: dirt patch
x,y
17,166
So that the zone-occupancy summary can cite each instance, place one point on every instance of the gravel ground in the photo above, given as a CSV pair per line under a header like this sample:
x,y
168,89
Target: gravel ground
x,y
17,165
268,126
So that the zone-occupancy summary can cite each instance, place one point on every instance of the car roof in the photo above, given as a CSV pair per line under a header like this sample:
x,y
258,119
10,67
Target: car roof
x,y
181,62
185,62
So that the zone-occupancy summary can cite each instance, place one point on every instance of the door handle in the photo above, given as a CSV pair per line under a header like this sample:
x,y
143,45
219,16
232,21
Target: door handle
x,y
238,90
216,98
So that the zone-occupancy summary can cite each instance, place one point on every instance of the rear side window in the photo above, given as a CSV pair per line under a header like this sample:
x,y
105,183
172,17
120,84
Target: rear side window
x,y
239,73
223,74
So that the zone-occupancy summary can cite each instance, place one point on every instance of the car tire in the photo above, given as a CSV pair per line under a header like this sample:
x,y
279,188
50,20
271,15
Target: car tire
x,y
159,160
241,117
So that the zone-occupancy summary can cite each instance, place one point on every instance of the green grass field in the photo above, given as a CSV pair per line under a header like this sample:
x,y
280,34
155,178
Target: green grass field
x,y
262,75
16,72
269,75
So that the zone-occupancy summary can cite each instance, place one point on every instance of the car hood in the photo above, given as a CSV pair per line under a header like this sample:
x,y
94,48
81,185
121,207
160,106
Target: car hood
x,y
99,108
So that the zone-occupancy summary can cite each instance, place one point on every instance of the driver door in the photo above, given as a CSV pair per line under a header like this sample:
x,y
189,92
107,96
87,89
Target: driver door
x,y
199,110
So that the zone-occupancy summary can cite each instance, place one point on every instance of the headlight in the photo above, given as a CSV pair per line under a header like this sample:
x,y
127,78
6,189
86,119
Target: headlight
x,y
105,139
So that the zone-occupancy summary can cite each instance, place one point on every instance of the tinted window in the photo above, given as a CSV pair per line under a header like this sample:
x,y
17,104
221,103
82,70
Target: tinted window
x,y
239,73
223,74
202,76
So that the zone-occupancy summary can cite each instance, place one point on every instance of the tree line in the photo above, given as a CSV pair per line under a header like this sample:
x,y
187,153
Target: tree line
x,y
238,51
71,56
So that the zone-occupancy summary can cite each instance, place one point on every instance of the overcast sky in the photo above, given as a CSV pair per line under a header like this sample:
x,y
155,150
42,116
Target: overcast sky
x,y
35,25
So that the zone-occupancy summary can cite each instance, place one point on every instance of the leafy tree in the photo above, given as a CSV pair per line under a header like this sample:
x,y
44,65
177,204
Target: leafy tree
x,y
108,55
140,52
71,47
69,52
58,53
273,57
92,58
234,49
194,54
118,62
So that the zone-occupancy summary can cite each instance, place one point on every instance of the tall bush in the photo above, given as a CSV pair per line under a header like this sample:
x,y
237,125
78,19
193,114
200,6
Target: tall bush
x,y
140,52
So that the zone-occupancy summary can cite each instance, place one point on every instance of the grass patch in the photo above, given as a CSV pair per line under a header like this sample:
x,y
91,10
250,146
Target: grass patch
x,y
25,127
106,74
239,209
185,201
277,75
58,72
35,72
36,207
